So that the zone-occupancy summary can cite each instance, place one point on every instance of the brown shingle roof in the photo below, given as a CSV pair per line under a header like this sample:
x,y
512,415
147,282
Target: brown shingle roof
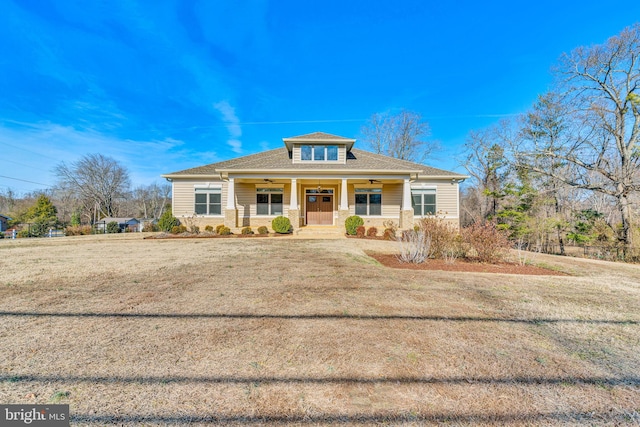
x,y
279,159
318,136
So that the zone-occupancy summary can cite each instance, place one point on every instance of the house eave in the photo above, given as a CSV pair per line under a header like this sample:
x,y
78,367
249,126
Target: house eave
x,y
348,143
303,173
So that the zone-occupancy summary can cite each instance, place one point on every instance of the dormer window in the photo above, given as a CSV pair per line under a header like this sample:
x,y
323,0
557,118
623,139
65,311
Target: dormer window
x,y
319,153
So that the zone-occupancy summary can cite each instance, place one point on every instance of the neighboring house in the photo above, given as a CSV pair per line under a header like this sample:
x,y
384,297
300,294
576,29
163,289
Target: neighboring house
x,y
316,179
124,223
3,222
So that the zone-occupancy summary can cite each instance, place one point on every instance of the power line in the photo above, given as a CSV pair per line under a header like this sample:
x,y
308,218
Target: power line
x,y
24,180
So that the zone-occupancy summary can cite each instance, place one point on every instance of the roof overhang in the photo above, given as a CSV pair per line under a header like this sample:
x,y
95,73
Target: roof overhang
x,y
301,174
289,142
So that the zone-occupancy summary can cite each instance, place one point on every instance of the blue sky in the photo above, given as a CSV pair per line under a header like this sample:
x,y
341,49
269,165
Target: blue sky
x,y
166,85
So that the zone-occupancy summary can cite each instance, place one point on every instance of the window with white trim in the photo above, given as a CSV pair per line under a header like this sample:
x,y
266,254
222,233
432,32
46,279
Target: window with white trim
x,y
269,201
208,201
319,153
369,201
423,201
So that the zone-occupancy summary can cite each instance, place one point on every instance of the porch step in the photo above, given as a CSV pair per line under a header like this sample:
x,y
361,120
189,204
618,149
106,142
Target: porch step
x,y
320,232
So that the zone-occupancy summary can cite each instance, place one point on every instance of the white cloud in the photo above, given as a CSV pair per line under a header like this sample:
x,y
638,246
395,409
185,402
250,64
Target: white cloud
x,y
232,124
32,150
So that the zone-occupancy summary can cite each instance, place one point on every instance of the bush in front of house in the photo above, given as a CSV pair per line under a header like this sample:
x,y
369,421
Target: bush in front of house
x,y
219,227
224,231
352,223
485,241
113,227
178,229
281,225
247,230
360,231
263,230
208,228
372,232
167,221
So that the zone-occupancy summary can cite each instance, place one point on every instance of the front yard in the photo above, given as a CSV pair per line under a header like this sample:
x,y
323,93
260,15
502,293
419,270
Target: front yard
x,y
310,332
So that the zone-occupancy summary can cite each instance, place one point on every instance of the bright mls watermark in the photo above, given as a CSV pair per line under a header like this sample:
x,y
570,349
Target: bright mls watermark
x,y
34,415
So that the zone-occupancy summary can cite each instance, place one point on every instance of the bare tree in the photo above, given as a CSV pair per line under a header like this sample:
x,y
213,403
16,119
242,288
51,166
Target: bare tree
x,y
484,159
151,200
402,136
599,89
97,180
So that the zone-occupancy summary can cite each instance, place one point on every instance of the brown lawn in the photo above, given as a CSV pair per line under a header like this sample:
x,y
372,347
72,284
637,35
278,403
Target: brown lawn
x,y
311,332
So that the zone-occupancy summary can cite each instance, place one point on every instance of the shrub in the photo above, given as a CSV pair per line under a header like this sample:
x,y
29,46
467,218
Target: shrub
x,y
178,229
389,234
360,231
263,230
224,231
414,247
281,225
208,228
352,223
150,227
372,232
219,227
79,230
167,221
75,219
487,242
113,227
443,235
247,230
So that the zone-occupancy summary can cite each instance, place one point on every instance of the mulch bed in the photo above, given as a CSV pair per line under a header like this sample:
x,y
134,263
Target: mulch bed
x,y
212,236
463,265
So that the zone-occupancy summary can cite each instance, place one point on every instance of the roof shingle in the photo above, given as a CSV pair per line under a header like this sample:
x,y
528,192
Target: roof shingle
x,y
279,159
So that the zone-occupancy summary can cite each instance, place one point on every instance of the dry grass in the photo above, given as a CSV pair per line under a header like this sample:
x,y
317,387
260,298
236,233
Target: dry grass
x,y
310,332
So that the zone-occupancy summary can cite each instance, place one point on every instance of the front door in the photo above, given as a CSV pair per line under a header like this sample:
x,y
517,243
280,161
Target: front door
x,y
320,209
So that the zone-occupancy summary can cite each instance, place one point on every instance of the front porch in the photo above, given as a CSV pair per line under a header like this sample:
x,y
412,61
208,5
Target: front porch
x,y
318,201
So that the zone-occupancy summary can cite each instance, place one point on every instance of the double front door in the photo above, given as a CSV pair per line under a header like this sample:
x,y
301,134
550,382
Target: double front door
x,y
319,209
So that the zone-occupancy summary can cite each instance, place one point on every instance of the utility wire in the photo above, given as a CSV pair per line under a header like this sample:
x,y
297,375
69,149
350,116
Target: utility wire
x,y
24,180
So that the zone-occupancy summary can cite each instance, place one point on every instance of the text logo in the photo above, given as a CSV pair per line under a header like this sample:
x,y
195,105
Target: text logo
x,y
34,415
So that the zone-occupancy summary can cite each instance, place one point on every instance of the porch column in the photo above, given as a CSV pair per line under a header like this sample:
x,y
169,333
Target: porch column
x,y
406,214
343,209
230,214
294,212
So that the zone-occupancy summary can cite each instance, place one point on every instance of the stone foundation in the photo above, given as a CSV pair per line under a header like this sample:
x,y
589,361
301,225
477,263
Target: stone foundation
x,y
294,218
342,217
406,219
231,218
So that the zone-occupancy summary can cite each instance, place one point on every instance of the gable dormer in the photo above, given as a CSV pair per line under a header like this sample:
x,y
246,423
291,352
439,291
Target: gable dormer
x,y
319,147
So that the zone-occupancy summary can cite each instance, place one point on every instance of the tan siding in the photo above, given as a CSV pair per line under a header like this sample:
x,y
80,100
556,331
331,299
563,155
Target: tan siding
x,y
183,196
446,196
295,156
342,154
391,200
391,203
245,200
247,207
447,199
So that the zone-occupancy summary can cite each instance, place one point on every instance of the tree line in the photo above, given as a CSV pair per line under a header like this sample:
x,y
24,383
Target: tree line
x,y
567,169
92,188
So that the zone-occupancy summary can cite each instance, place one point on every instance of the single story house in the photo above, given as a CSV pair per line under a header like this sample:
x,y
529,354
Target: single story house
x,y
315,179
3,222
131,224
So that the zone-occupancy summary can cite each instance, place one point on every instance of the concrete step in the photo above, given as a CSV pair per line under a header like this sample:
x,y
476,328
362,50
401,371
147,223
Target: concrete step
x,y
320,232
